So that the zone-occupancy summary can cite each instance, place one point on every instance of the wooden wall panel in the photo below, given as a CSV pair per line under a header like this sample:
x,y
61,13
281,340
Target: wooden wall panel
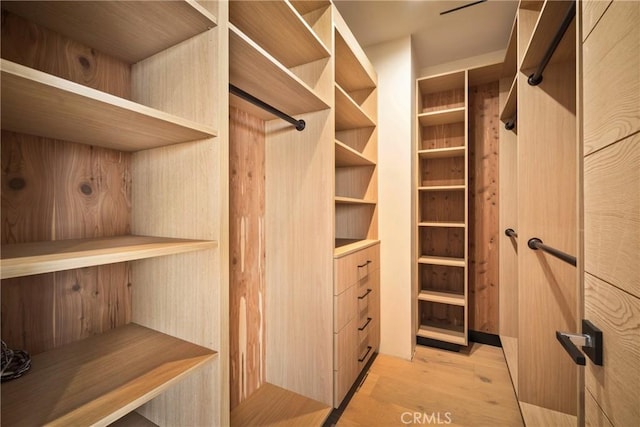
x,y
247,254
484,140
615,384
592,11
442,136
593,415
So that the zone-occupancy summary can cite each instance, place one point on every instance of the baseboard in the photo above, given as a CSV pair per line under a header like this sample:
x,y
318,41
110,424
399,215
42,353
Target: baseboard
x,y
485,338
438,344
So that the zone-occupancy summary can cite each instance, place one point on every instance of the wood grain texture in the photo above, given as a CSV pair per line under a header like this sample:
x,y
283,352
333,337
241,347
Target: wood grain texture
x,y
527,18
441,278
98,380
594,417
442,136
611,80
299,202
442,206
128,30
612,214
510,349
353,69
484,268
349,113
534,415
247,255
133,419
356,221
443,100
592,11
442,171
319,17
363,140
442,242
37,47
357,182
547,159
510,63
347,156
614,385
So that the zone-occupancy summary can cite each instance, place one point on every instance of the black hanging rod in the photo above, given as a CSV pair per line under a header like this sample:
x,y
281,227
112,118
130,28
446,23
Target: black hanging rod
x,y
510,124
511,232
299,124
535,244
535,78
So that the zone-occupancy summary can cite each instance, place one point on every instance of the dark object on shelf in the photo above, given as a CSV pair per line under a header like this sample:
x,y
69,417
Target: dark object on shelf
x,y
299,124
14,363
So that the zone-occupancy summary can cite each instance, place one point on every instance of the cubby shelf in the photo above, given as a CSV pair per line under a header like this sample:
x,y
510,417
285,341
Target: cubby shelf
x,y
509,110
439,153
351,67
442,297
40,104
255,71
24,259
347,246
349,115
441,187
353,201
280,29
549,20
128,30
452,115
441,224
99,379
446,261
442,334
347,156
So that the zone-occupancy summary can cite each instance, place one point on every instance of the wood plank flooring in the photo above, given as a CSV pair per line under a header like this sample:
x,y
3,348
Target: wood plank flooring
x,y
470,388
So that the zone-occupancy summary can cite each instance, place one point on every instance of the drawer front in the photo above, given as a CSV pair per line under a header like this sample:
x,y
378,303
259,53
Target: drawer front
x,y
345,308
367,296
355,266
345,345
367,346
342,382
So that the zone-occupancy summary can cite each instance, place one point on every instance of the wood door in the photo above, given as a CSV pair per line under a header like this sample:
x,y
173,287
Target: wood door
x,y
611,156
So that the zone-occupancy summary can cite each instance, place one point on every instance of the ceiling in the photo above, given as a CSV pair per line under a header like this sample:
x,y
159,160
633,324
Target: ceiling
x,y
437,39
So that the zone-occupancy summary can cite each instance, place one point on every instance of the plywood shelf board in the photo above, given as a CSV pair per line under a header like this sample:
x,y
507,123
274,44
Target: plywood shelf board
x,y
510,63
353,201
435,260
128,30
38,103
438,153
442,82
353,70
133,419
255,71
545,29
509,110
347,156
349,115
305,6
24,259
349,246
441,187
442,297
278,27
442,224
442,334
453,115
99,379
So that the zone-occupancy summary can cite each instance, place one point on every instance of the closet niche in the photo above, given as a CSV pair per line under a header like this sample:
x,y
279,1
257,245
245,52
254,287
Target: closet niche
x,y
281,212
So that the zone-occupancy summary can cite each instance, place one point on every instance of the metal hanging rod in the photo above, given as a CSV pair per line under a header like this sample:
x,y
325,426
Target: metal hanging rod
x,y
535,244
510,124
535,78
299,124
511,232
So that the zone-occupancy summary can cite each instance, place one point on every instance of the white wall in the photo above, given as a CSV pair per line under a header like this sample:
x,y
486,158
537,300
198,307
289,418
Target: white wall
x,y
393,62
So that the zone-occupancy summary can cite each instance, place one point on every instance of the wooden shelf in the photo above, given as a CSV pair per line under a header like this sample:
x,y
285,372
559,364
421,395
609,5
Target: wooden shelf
x,y
509,110
510,63
271,405
40,104
549,21
442,334
347,156
351,74
279,29
349,115
442,188
442,297
99,379
453,115
442,224
306,6
440,153
255,71
353,201
437,260
25,259
441,83
128,30
133,419
347,246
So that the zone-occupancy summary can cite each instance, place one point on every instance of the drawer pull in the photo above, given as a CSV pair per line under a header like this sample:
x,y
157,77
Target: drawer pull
x,y
365,294
365,325
366,354
365,264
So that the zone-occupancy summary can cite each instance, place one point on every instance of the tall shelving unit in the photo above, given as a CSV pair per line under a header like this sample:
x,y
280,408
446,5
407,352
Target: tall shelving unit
x,y
442,204
93,135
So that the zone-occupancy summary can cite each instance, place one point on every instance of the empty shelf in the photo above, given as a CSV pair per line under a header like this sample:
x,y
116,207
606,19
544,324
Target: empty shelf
x,y
347,156
279,29
353,201
441,224
353,69
442,297
99,379
441,187
129,30
510,106
442,334
349,115
438,260
40,104
439,153
453,115
24,259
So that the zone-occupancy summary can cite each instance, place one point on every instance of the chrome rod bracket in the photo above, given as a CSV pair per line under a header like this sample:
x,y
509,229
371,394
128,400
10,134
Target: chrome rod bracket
x,y
590,340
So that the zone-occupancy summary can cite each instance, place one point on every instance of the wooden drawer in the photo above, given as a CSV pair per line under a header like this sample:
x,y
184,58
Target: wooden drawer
x,y
345,345
342,382
345,308
367,346
367,296
350,268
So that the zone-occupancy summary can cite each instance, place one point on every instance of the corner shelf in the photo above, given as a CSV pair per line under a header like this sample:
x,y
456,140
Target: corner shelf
x,y
280,29
255,71
446,261
40,104
436,332
353,201
347,156
25,259
452,115
440,153
442,297
349,115
99,379
128,30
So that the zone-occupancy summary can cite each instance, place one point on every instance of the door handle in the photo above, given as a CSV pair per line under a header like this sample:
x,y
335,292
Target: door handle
x,y
590,340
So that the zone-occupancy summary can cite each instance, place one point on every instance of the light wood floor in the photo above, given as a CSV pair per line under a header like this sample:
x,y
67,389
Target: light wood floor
x,y
470,388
